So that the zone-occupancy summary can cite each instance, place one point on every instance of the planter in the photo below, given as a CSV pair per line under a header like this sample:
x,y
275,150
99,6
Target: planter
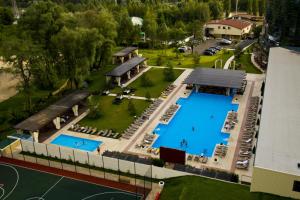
x,y
161,184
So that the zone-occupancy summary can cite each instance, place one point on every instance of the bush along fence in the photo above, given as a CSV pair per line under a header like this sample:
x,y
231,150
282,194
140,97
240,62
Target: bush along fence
x,y
114,166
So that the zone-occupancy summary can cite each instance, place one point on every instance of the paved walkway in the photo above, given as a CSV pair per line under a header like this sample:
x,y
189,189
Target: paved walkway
x,y
255,63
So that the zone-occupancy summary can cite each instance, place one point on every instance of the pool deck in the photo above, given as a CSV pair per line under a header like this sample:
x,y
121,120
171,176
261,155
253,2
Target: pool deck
x,y
128,146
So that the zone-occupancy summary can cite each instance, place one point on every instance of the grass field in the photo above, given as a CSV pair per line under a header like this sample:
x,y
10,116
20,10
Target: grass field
x,y
183,60
159,84
246,64
192,187
22,183
114,117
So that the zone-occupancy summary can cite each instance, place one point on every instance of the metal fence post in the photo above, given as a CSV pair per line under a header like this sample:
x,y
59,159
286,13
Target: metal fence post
x,y
88,157
34,152
11,152
60,158
47,155
74,161
136,192
22,150
103,167
119,168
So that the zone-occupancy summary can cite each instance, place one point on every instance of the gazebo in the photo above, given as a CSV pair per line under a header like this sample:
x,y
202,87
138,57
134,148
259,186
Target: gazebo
x,y
52,114
125,54
230,81
126,70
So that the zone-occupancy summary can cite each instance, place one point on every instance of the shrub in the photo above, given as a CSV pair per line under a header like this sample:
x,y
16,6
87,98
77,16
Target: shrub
x,y
196,58
148,96
131,108
95,110
235,178
160,61
146,81
169,73
158,162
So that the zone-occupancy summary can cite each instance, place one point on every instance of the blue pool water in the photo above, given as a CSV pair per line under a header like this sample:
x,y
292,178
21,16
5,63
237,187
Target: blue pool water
x,y
76,142
198,121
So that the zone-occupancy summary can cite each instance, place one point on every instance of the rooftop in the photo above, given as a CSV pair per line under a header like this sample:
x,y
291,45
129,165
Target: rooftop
x,y
279,138
44,117
125,51
216,77
126,66
239,24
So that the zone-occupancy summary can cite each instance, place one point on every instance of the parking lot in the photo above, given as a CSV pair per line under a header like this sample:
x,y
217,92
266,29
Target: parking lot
x,y
210,43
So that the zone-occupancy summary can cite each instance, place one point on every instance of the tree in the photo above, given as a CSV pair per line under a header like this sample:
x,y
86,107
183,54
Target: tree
x,y
77,49
6,16
146,81
95,111
163,34
216,9
262,8
237,53
148,96
24,55
255,7
150,26
131,108
196,58
250,6
169,73
227,7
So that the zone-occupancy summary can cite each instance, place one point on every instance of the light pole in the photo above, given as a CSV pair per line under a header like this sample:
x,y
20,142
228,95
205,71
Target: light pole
x,y
236,6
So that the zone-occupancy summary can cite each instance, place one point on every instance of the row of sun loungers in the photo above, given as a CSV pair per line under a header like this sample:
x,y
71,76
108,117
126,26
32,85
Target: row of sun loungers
x,y
168,90
201,159
139,121
221,150
246,141
231,120
169,113
94,131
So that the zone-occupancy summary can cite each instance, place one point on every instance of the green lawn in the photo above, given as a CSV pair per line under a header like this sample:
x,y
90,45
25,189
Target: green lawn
x,y
246,64
114,117
194,188
183,60
159,84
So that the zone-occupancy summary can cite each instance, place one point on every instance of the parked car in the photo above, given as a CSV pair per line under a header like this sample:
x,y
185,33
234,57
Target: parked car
x,y
218,48
105,92
225,41
212,49
184,49
208,52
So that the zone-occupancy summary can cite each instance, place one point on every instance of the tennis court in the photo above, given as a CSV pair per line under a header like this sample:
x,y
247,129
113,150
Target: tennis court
x,y
23,183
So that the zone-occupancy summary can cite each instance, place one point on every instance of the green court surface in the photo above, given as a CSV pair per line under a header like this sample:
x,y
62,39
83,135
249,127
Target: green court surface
x,y
17,183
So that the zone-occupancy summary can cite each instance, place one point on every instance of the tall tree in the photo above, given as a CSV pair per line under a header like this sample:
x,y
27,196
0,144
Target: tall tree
x,y
262,8
250,6
150,25
6,16
227,7
255,7
77,49
216,9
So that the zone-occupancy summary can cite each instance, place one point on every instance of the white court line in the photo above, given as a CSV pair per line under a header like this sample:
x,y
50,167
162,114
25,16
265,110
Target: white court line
x,y
52,187
38,198
79,180
98,194
3,192
16,171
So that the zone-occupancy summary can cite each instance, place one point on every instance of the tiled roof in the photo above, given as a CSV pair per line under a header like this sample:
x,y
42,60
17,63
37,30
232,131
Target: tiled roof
x,y
240,24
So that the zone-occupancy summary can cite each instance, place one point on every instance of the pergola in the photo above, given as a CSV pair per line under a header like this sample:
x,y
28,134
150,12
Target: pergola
x,y
125,54
126,70
52,114
231,80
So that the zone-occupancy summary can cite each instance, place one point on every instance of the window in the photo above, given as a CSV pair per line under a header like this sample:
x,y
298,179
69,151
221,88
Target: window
x,y
219,27
224,27
296,186
228,28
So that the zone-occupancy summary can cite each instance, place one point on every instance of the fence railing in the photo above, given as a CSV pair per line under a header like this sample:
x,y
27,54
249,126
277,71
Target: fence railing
x,y
133,173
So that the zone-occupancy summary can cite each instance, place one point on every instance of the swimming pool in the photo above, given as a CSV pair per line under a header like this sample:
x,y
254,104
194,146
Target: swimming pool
x,y
76,142
199,122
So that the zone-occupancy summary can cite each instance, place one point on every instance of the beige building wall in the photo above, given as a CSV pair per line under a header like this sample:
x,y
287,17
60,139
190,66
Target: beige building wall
x,y
273,182
219,29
